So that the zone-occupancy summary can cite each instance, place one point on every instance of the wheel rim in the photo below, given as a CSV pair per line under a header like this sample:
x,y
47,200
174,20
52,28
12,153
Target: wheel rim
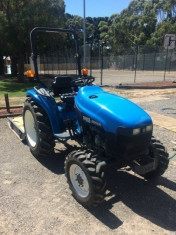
x,y
30,128
79,180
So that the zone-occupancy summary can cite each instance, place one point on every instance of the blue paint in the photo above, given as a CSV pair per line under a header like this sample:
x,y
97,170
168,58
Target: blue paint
x,y
51,109
110,110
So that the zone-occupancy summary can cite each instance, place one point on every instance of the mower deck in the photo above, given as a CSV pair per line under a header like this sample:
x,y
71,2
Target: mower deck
x,y
16,125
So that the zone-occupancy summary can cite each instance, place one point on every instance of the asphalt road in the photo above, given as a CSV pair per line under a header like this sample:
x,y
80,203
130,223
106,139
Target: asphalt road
x,y
35,198
116,77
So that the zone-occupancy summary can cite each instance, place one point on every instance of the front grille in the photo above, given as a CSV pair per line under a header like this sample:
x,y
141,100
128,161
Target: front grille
x,y
129,146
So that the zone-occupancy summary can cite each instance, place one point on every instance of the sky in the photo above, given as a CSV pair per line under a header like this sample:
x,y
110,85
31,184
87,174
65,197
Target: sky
x,y
96,8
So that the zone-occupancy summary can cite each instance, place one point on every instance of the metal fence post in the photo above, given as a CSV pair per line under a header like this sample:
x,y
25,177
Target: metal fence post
x,y
143,61
7,102
101,82
170,62
66,63
91,59
165,64
136,53
123,62
154,62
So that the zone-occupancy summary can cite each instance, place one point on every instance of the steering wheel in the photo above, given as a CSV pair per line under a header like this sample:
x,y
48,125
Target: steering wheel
x,y
86,80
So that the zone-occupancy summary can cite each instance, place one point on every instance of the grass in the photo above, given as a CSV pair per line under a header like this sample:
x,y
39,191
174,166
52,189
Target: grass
x,y
13,88
16,91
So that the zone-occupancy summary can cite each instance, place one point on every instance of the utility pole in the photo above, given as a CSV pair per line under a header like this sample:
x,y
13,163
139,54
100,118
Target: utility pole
x,y
84,31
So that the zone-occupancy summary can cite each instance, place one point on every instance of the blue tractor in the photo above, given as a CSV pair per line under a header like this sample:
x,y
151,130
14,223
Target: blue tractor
x,y
111,130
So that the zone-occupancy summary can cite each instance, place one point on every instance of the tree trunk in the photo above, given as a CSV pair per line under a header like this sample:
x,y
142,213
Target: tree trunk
x,y
1,65
21,68
14,66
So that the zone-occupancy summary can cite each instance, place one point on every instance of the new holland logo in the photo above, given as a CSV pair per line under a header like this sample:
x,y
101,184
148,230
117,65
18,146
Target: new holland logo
x,y
86,119
91,121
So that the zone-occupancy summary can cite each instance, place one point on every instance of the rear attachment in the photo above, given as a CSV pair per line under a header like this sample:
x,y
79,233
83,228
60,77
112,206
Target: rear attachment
x,y
16,125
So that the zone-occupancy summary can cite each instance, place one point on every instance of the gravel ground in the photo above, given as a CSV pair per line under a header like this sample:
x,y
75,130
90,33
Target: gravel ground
x,y
165,107
35,198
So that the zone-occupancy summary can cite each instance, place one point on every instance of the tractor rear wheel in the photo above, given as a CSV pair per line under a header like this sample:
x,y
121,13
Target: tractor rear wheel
x,y
159,153
37,129
86,182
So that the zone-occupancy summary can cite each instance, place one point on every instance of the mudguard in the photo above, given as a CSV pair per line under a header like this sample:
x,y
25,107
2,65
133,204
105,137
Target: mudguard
x,y
49,105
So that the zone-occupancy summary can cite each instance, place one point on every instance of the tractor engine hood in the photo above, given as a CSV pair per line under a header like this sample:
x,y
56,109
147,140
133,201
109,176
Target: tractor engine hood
x,y
109,110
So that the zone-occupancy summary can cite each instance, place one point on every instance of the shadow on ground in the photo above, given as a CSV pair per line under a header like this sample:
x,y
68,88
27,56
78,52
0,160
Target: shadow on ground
x,y
144,198
56,163
169,110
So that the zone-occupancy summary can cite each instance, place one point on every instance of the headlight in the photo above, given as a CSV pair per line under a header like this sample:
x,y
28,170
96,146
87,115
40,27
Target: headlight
x,y
149,128
136,131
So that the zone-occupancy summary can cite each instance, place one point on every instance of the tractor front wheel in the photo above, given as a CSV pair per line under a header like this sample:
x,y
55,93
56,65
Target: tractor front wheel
x,y
37,129
86,182
159,154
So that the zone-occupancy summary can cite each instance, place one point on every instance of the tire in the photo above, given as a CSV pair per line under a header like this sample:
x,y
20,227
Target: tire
x,y
159,153
37,130
87,185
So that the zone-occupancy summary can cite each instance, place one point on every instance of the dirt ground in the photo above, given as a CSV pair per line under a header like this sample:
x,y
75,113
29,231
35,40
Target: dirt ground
x,y
4,112
141,93
35,198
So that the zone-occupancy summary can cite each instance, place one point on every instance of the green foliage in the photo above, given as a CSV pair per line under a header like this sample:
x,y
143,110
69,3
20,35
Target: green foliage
x,y
143,22
103,28
18,18
21,16
166,12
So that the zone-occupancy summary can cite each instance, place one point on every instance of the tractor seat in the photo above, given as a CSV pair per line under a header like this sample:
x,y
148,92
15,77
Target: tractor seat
x,y
62,84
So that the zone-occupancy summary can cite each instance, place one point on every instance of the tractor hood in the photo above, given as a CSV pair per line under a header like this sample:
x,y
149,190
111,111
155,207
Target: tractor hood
x,y
109,110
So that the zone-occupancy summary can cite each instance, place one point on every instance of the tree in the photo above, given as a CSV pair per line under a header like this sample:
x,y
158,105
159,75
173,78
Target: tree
x,y
166,12
103,28
23,15
133,26
3,44
75,23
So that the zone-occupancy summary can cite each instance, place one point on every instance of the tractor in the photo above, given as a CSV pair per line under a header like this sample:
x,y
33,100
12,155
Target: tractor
x,y
111,130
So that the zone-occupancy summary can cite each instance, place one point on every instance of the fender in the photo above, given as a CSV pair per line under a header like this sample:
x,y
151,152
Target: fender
x,y
49,105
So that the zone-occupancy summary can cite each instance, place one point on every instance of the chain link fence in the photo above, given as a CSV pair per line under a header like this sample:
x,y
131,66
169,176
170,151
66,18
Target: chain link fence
x,y
140,64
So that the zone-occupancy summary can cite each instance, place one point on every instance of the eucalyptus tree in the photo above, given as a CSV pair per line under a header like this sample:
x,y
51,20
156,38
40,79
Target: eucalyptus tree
x,y
23,15
133,26
166,16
